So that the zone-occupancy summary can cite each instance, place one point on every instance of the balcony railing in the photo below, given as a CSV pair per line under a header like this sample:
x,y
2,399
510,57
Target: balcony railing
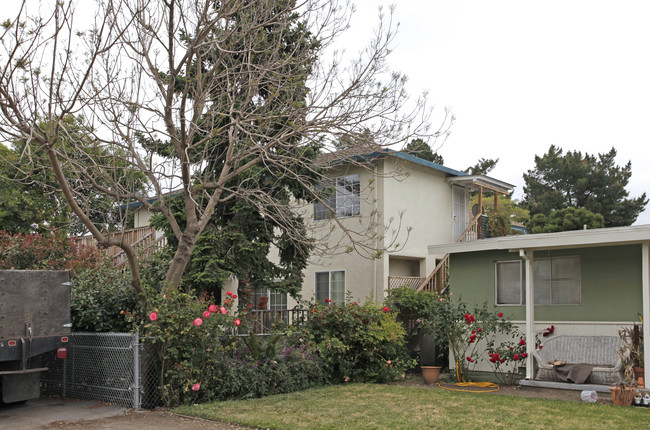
x,y
411,282
264,322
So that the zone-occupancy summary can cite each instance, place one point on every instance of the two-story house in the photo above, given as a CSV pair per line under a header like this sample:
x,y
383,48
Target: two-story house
x,y
384,210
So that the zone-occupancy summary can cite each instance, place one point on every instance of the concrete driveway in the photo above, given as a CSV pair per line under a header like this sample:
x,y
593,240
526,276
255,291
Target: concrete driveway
x,y
48,410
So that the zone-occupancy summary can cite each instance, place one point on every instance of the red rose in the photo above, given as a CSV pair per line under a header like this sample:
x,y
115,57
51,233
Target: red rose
x,y
229,293
206,314
385,309
522,342
213,308
234,296
516,357
237,322
500,314
198,322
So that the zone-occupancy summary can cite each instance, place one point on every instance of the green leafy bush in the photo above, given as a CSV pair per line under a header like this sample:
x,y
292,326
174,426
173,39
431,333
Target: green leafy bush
x,y
100,299
360,343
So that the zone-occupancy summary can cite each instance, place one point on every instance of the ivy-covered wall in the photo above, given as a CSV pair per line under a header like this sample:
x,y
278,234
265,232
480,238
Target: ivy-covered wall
x,y
610,287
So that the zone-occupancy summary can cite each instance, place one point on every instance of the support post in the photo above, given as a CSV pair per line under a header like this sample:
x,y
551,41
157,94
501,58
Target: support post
x,y
135,345
530,313
645,277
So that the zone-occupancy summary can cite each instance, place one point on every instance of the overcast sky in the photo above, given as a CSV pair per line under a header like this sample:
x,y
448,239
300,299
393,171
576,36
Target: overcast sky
x,y
522,75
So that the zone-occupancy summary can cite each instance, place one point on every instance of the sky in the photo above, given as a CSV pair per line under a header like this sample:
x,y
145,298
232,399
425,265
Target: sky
x,y
523,75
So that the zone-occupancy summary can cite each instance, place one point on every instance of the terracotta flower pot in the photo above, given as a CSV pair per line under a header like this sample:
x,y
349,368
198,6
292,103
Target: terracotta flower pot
x,y
639,374
431,374
622,394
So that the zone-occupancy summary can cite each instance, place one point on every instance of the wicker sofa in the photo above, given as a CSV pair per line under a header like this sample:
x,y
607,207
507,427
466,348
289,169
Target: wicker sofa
x,y
600,351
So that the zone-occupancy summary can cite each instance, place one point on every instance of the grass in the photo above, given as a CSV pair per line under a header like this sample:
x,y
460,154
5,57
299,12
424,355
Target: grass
x,y
365,406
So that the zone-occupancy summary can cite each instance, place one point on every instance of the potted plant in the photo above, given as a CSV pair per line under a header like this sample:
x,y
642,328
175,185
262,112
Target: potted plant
x,y
632,354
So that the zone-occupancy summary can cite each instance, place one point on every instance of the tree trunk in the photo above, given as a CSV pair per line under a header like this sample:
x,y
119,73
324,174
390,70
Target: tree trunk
x,y
181,258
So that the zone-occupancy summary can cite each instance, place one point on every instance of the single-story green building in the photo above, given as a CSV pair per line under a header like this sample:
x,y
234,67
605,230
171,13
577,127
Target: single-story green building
x,y
586,282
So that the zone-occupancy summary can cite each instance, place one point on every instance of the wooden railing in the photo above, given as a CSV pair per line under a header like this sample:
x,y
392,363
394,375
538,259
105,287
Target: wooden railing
x,y
473,230
411,282
438,278
263,322
130,236
144,247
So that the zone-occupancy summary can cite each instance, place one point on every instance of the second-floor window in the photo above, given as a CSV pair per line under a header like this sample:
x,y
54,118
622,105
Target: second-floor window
x,y
343,198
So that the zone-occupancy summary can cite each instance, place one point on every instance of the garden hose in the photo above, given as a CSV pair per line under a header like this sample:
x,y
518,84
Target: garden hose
x,y
462,383
494,387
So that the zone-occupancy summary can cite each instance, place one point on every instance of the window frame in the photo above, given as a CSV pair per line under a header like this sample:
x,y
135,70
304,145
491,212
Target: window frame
x,y
340,201
269,304
329,285
522,281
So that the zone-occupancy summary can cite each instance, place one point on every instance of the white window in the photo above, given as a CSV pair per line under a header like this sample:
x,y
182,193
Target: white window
x,y
343,200
510,285
270,300
330,286
557,281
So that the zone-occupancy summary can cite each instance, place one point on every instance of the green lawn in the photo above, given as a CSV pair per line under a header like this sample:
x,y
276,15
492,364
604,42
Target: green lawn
x,y
366,406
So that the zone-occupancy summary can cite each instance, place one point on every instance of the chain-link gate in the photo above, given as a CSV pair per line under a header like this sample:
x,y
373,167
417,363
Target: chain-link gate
x,y
110,367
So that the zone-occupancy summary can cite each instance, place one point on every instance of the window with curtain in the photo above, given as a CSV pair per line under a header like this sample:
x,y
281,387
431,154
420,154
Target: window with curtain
x,y
557,281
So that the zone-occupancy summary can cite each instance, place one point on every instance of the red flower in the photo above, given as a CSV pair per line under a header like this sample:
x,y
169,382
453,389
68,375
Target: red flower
x,y
500,314
385,309
355,303
468,358
515,357
229,293
153,316
223,310
540,347
206,314
198,322
480,329
237,322
473,331
234,296
522,342
213,308
196,387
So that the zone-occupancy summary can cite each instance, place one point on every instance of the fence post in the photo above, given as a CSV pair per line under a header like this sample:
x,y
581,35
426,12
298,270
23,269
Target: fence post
x,y
136,370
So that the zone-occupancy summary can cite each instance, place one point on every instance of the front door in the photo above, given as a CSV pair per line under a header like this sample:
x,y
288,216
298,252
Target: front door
x,y
459,212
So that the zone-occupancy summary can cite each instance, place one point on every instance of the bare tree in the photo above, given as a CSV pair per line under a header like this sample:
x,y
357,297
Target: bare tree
x,y
193,94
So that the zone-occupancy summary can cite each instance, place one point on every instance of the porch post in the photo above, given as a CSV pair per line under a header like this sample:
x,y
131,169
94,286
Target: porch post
x,y
530,313
645,276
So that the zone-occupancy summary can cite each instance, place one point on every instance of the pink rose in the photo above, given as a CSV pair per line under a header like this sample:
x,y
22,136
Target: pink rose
x,y
213,308
223,310
206,314
198,322
153,316
196,387
237,322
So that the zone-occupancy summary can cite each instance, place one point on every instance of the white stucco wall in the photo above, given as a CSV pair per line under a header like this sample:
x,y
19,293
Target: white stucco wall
x,y
404,196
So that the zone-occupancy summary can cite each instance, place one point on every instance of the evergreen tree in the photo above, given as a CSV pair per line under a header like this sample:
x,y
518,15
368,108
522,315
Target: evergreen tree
x,y
579,180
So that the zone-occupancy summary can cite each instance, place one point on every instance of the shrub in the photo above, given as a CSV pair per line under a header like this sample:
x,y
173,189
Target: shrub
x,y
362,343
463,330
100,299
53,251
185,332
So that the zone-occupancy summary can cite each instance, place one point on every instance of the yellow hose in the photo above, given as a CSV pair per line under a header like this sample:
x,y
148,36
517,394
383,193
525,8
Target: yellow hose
x,y
461,386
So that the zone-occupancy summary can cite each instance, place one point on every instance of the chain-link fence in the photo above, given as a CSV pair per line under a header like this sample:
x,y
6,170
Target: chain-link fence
x,y
110,367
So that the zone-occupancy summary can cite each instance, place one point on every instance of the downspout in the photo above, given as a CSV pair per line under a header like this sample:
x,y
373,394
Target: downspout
x,y
374,260
645,277
530,313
